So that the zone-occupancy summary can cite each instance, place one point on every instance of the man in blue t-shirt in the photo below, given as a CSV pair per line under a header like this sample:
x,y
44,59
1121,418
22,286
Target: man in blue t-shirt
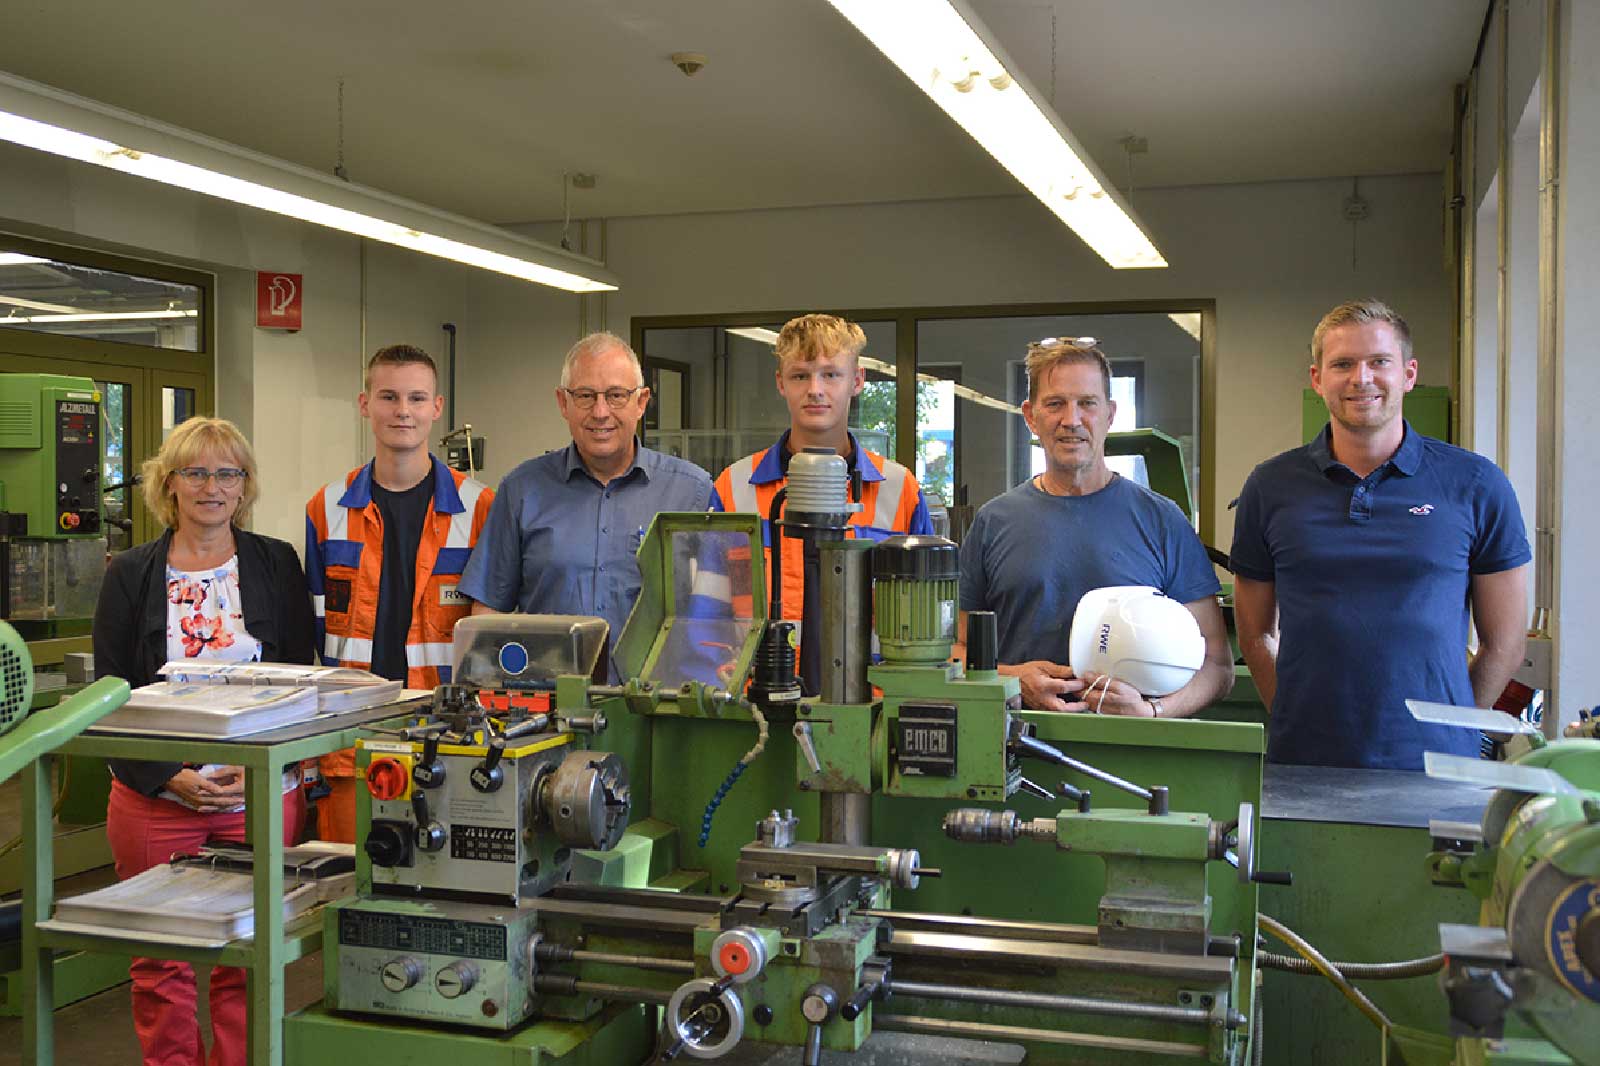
x,y
1357,557
1032,553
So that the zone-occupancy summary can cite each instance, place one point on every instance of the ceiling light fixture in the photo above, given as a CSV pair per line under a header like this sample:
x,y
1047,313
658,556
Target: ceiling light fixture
x,y
98,316
36,305
948,53
39,117
755,333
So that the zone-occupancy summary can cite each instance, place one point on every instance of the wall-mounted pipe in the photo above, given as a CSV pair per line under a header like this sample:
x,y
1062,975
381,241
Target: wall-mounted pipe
x,y
450,386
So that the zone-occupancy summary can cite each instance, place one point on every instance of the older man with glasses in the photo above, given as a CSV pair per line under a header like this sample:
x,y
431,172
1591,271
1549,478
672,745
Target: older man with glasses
x,y
564,527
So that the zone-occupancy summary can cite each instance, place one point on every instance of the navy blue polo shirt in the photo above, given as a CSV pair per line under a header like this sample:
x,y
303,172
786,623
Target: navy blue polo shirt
x,y
1373,577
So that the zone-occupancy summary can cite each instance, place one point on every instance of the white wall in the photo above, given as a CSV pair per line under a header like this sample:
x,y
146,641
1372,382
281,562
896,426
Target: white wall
x,y
1273,256
294,393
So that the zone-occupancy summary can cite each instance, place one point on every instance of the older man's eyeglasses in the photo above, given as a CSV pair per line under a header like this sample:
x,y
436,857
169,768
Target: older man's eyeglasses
x,y
616,398
1081,343
229,477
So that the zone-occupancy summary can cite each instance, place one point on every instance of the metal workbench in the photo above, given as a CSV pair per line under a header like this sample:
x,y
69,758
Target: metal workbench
x,y
264,757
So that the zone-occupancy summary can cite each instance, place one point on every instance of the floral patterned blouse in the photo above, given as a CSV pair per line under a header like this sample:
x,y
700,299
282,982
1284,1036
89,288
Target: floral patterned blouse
x,y
205,615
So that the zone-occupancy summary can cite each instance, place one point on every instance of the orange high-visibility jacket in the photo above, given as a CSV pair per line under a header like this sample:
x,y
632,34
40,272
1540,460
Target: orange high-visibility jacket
x,y
891,503
344,558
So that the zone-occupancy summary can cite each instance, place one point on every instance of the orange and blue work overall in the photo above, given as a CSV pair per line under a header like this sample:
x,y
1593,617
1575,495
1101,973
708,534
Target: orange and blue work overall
x,y
891,503
344,560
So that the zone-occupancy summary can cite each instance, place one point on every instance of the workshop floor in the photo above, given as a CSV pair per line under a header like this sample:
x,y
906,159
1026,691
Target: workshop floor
x,y
100,1029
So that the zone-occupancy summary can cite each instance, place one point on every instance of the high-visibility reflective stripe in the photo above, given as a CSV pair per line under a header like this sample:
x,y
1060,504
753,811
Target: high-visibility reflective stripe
x,y
427,655
336,518
319,606
889,492
744,493
348,649
460,535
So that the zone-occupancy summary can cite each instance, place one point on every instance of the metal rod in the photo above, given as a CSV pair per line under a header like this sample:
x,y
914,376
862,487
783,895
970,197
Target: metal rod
x,y
900,1023
567,953
1551,362
1000,997
558,985
1039,749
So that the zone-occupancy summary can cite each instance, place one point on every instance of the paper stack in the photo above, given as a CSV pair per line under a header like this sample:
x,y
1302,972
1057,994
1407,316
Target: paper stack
x,y
171,708
338,688
180,900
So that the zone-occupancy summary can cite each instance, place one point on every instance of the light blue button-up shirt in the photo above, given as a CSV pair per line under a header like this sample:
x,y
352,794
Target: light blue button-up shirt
x,y
559,542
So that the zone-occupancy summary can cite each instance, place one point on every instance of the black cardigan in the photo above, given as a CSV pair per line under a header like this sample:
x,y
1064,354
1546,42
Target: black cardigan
x,y
130,623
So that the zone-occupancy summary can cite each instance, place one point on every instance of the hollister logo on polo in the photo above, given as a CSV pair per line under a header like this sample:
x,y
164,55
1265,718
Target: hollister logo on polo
x,y
1426,508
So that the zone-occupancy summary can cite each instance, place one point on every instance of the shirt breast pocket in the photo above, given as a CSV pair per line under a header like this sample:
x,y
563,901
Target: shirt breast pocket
x,y
338,591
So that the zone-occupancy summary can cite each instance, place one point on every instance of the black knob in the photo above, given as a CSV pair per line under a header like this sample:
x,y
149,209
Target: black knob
x,y
857,1003
487,776
388,844
429,771
1272,877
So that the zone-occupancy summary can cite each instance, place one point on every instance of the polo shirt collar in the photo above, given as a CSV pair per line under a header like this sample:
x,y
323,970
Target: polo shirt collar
x,y
770,467
446,500
1407,459
643,461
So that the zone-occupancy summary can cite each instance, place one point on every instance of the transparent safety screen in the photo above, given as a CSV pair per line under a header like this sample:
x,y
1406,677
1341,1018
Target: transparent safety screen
x,y
710,615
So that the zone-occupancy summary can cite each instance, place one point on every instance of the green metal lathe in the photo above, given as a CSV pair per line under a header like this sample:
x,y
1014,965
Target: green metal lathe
x,y
895,845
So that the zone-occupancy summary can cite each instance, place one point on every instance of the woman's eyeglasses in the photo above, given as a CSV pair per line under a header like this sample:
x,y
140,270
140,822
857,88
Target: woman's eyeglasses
x,y
196,476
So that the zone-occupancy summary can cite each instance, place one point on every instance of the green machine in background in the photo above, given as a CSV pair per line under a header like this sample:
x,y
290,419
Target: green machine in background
x,y
52,540
52,564
902,849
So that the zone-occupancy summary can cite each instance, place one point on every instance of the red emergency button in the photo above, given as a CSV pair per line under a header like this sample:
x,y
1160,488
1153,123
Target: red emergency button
x,y
69,520
734,957
387,779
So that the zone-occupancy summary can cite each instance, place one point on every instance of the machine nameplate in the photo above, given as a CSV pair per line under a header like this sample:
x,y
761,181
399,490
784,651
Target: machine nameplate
x,y
389,747
483,843
433,936
926,739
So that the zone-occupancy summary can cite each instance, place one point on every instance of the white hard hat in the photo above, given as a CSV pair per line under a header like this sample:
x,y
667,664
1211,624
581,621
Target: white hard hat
x,y
1136,635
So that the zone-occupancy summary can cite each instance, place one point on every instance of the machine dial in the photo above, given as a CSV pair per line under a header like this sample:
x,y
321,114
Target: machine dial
x,y
456,979
401,973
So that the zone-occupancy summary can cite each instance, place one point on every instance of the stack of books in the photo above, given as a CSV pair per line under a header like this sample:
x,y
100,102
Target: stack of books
x,y
175,708
339,688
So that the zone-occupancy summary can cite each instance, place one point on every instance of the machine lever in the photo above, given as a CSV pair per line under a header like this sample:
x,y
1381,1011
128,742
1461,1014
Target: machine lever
x,y
802,733
1034,789
1272,877
1023,744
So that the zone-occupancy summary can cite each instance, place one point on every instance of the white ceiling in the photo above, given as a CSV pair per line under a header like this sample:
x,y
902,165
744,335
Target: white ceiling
x,y
480,106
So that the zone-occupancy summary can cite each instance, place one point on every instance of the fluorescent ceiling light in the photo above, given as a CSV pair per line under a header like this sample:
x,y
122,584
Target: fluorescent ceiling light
x,y
755,333
948,53
35,305
1188,321
17,259
966,392
36,116
98,316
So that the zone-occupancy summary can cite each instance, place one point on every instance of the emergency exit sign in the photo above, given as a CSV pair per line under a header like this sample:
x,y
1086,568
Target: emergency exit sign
x,y
278,300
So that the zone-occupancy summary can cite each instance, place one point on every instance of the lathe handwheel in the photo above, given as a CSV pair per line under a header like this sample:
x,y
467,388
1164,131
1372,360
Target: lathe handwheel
x,y
1246,848
709,1023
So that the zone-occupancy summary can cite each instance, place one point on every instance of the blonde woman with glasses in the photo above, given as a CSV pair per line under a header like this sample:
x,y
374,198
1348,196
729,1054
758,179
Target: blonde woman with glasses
x,y
205,589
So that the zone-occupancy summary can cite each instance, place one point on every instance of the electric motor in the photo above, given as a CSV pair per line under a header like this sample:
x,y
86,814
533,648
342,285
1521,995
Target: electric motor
x,y
914,597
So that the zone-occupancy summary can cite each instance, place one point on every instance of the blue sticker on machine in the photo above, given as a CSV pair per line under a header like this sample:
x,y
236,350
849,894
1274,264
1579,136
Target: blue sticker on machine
x,y
1561,938
513,658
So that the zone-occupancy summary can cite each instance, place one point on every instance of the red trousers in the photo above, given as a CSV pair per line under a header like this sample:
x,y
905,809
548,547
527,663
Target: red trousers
x,y
145,832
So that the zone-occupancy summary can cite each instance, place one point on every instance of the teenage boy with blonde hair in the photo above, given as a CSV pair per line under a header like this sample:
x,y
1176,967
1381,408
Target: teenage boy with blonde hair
x,y
818,374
